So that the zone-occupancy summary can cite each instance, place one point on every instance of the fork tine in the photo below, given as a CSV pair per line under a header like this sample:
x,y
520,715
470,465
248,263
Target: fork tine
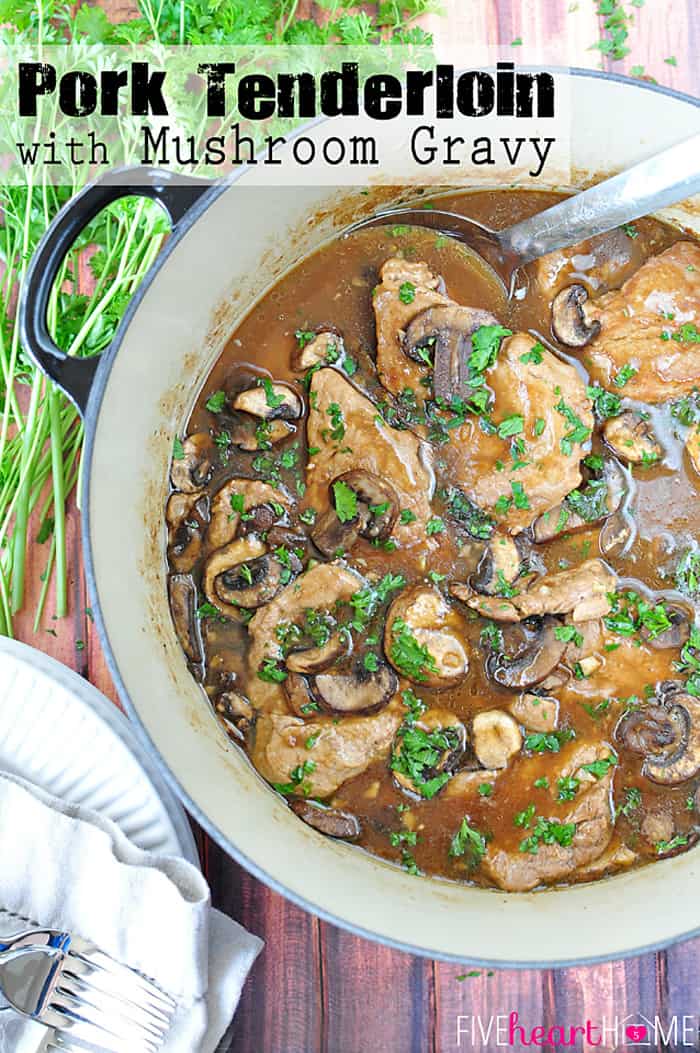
x,y
103,1002
119,986
98,962
115,1035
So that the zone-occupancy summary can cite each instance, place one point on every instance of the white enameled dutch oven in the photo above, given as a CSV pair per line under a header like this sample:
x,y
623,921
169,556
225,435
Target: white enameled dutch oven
x,y
230,243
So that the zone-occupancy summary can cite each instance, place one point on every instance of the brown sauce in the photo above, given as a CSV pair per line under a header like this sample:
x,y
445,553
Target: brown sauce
x,y
527,807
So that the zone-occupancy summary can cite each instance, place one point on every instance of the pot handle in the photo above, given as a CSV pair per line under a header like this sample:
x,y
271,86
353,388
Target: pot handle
x,y
75,376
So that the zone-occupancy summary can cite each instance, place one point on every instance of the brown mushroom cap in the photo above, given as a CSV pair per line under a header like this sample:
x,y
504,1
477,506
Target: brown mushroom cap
x,y
359,691
301,701
377,511
676,635
426,614
194,469
632,438
317,659
187,516
500,565
274,401
452,757
449,327
183,607
231,588
333,822
668,736
531,652
325,348
570,324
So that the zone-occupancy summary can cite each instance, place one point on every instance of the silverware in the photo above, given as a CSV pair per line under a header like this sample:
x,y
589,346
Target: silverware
x,y
89,1000
666,178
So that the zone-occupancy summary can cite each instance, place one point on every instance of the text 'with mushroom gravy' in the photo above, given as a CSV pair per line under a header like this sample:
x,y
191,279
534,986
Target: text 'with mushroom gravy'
x,y
433,554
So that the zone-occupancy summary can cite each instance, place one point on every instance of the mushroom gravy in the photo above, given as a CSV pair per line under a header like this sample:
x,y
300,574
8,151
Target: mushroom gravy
x,y
433,555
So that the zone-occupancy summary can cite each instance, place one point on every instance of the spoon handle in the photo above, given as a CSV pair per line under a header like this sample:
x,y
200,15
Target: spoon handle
x,y
664,179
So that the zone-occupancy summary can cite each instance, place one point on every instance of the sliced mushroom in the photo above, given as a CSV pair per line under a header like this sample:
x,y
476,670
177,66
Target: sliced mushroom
x,y
536,712
376,514
271,401
359,691
326,348
187,516
570,324
183,607
632,438
449,758
499,566
333,822
530,659
242,575
675,636
495,738
260,504
236,713
423,615
318,659
301,701
668,737
194,469
449,327
249,439
380,500
332,537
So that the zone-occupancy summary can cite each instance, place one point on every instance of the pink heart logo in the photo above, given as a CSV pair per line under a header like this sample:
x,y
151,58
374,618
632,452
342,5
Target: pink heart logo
x,y
636,1033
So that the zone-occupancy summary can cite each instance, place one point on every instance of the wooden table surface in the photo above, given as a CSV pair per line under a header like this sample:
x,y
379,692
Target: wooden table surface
x,y
315,988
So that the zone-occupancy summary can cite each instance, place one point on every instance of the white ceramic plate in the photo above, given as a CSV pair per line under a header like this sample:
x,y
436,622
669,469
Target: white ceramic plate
x,y
59,732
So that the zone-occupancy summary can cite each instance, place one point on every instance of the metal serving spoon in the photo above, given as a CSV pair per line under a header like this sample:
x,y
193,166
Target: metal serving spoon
x,y
664,179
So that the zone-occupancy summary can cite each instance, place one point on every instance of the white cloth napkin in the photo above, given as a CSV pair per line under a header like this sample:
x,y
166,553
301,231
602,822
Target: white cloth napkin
x,y
66,867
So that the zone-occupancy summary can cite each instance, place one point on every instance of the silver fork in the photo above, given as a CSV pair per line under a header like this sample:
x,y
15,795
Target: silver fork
x,y
89,1000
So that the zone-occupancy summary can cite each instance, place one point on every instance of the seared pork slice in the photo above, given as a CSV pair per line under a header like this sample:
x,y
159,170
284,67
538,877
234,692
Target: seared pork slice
x,y
346,433
581,592
648,328
341,750
555,845
544,417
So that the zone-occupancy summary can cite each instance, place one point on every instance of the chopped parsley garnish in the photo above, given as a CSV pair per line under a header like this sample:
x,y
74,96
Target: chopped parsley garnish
x,y
605,403
599,768
579,432
409,656
486,342
534,355
491,636
590,504
469,842
548,832
399,837
568,634
662,847
208,610
524,819
419,752
630,613
475,521
216,402
633,799
548,742
688,574
407,516
539,426
366,600
270,672
687,334
407,292
623,375
520,498
304,337
630,230
485,789
345,501
542,783
273,401
567,788
297,781
509,426
690,663
178,450
371,662
435,525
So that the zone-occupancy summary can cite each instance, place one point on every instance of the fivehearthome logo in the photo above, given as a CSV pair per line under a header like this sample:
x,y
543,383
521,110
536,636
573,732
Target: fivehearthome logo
x,y
634,1031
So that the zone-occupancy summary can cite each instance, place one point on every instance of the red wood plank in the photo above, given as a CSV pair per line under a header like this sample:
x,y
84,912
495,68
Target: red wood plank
x,y
372,993
280,1011
470,1001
